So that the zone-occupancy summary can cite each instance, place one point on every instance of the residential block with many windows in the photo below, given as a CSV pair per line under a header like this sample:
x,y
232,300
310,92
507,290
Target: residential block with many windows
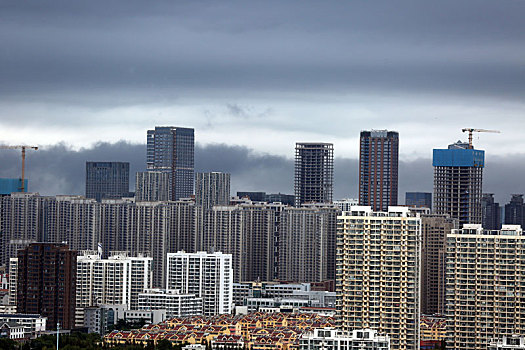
x,y
378,273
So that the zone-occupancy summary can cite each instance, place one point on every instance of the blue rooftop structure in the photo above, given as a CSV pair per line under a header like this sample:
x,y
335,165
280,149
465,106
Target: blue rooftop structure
x,y
459,158
8,186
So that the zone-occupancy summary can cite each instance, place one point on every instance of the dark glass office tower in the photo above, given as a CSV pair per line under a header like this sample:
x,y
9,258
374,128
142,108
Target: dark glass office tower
x,y
490,213
378,169
314,173
172,149
107,180
515,211
419,199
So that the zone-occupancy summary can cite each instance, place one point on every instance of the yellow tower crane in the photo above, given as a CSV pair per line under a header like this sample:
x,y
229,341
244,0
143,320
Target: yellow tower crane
x,y
22,188
470,131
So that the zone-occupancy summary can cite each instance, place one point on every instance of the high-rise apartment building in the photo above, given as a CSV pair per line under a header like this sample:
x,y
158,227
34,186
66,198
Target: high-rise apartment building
x,y
314,173
458,180
212,189
434,229
419,199
307,243
46,283
171,149
207,275
515,211
152,186
20,223
107,180
247,232
484,287
150,228
378,273
378,169
490,212
118,280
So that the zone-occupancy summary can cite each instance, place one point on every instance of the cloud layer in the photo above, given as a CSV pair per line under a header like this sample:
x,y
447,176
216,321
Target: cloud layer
x,y
263,75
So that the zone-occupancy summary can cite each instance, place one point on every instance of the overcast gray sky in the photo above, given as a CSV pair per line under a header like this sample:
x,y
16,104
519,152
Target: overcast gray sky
x,y
255,77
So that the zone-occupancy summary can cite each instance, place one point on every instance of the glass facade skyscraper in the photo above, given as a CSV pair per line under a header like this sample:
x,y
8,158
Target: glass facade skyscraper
x,y
419,199
107,180
172,149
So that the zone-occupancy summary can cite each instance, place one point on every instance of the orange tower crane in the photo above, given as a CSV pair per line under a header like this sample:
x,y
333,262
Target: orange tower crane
x,y
470,131
22,188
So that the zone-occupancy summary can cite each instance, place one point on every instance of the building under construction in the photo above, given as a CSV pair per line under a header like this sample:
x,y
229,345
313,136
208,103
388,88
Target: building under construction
x,y
314,173
458,179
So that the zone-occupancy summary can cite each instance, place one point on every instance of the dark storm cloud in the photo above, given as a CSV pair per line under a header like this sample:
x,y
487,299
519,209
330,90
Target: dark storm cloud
x,y
61,170
142,51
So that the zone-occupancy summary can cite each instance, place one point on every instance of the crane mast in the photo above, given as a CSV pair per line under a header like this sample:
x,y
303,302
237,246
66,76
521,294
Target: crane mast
x,y
23,148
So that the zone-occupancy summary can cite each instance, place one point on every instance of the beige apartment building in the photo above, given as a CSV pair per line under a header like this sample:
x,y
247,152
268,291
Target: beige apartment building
x,y
485,286
378,273
434,230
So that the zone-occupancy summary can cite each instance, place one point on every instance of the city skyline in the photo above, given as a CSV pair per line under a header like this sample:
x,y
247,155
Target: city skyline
x,y
375,149
250,170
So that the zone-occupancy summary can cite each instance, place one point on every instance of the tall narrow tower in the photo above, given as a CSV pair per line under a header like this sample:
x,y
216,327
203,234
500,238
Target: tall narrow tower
x,y
47,283
171,149
314,173
458,179
378,169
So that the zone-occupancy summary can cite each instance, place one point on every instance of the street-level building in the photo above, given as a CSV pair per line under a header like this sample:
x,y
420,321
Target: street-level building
x,y
33,324
174,303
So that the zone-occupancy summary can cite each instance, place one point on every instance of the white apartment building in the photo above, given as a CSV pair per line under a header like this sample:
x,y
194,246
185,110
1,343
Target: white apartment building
x,y
334,339
485,285
174,303
207,275
514,342
378,273
34,325
346,203
116,280
13,280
